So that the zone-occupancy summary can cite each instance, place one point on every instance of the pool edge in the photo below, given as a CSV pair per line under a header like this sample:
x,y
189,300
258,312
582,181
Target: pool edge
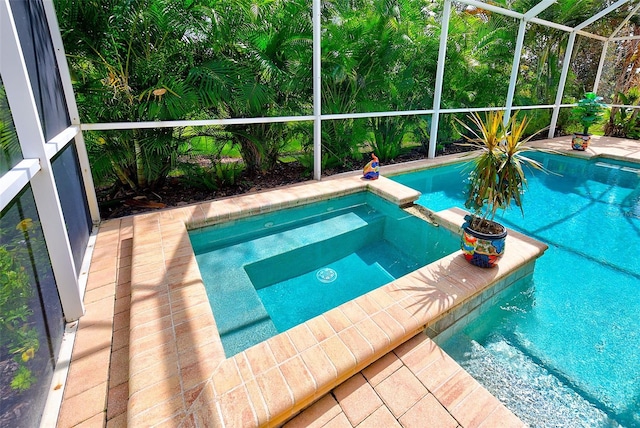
x,y
169,272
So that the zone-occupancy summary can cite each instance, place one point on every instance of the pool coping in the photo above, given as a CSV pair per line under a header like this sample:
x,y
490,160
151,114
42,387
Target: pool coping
x,y
177,366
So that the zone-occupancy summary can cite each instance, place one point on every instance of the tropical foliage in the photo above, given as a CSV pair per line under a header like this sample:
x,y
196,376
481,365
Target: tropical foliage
x,y
150,60
18,337
10,153
625,122
589,111
497,178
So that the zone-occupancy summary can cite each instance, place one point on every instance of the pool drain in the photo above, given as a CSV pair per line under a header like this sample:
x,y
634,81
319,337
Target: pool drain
x,y
326,275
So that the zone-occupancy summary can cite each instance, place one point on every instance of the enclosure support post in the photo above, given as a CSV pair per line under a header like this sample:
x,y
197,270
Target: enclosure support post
x,y
563,80
32,142
437,93
317,87
605,48
596,83
65,77
515,67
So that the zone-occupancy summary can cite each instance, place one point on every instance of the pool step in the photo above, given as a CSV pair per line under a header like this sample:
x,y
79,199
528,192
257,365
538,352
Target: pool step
x,y
298,260
227,280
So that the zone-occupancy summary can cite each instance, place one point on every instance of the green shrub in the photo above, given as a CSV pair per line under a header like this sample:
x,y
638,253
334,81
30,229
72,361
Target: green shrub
x,y
213,177
17,335
625,122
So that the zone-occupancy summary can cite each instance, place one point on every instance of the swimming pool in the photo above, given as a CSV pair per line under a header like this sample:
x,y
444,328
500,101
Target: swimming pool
x,y
563,348
267,273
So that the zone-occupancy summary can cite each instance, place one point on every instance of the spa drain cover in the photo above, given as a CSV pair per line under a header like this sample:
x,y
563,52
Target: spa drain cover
x,y
326,275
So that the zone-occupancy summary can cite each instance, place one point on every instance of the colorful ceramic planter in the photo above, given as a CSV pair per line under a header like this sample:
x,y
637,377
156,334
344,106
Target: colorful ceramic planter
x,y
580,141
481,249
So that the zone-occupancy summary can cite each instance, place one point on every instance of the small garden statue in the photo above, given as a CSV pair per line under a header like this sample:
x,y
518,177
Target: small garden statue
x,y
372,169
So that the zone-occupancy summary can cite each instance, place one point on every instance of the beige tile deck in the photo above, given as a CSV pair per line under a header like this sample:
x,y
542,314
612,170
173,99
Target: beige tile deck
x,y
146,350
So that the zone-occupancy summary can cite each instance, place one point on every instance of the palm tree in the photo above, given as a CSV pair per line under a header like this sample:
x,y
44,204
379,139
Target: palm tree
x,y
131,61
10,152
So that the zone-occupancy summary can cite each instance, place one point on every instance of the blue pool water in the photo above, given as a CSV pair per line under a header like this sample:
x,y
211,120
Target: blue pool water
x,y
270,272
563,348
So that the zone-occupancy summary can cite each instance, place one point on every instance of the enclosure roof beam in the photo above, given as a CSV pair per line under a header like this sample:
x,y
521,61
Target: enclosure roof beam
x,y
624,22
515,68
492,8
618,39
537,9
518,15
600,14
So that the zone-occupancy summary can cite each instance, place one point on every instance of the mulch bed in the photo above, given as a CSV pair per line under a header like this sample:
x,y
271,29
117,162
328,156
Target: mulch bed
x,y
176,192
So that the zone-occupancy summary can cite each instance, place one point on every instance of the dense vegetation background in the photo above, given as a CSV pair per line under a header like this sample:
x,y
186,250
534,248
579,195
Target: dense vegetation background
x,y
150,60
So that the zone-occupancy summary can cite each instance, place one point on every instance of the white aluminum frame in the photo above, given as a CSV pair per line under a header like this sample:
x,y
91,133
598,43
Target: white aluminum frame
x,y
36,151
73,132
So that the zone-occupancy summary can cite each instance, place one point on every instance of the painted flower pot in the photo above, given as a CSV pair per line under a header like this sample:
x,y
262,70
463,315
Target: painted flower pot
x,y
580,141
482,249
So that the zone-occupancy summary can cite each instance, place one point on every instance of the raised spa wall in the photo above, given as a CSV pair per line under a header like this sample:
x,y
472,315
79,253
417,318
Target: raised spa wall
x,y
177,367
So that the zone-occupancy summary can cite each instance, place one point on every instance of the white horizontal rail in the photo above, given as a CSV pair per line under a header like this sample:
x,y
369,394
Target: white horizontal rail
x,y
622,39
492,8
184,123
623,106
180,123
57,143
376,114
13,181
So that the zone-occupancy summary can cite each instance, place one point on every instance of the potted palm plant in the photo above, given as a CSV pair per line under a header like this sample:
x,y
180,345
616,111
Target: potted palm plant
x,y
588,111
496,181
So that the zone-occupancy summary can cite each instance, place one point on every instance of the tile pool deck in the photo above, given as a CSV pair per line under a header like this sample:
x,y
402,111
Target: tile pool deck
x,y
147,353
